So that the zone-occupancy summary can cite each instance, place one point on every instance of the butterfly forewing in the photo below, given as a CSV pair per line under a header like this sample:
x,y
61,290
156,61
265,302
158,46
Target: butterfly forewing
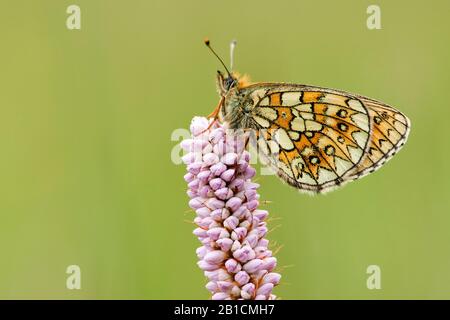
x,y
317,138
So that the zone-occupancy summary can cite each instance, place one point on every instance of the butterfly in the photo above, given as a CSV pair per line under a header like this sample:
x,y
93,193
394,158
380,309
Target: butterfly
x,y
314,138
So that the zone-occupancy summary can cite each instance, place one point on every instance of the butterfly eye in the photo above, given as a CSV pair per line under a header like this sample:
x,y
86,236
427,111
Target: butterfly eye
x,y
229,83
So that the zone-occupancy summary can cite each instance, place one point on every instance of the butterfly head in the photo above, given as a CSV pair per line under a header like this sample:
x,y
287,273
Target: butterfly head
x,y
225,83
232,79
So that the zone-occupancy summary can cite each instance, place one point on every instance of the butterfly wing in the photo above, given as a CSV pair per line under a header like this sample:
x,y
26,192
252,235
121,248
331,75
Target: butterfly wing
x,y
389,132
318,138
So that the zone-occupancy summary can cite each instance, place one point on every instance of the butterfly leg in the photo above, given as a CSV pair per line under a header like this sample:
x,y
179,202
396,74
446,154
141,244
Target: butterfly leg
x,y
215,113
216,110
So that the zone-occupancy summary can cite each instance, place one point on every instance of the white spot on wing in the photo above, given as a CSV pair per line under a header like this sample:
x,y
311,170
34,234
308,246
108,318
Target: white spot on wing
x,y
325,175
306,179
333,99
342,165
274,147
294,135
268,113
261,121
291,98
312,125
262,145
283,139
307,107
355,153
356,105
361,121
264,102
307,116
298,124
285,169
360,138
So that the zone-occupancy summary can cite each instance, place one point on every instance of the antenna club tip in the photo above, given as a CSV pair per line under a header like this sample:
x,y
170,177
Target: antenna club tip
x,y
206,41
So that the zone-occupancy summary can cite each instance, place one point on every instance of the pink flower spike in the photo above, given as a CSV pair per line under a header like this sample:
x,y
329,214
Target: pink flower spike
x,y
218,169
240,212
210,159
201,251
250,185
249,194
263,243
233,203
272,277
228,175
252,205
252,240
214,233
216,135
194,168
186,144
245,156
241,255
212,286
249,173
237,183
230,159
270,263
188,177
196,203
234,253
207,266
215,257
216,215
242,278
233,266
199,232
198,125
217,184
247,291
225,244
204,175
214,203
220,296
224,286
253,265
223,193
231,222
260,214
242,165
265,289
262,231
239,233
194,184
203,212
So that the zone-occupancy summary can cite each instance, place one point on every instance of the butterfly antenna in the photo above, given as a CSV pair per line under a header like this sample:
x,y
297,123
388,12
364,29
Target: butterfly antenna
x,y
217,56
232,46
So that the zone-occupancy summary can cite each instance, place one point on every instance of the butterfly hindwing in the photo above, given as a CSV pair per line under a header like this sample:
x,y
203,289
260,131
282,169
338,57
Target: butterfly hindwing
x,y
390,130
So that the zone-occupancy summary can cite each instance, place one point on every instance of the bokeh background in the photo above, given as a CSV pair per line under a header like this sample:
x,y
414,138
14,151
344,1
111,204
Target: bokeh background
x,y
86,119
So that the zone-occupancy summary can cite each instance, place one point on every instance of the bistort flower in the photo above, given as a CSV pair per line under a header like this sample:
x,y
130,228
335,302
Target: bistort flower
x,y
234,254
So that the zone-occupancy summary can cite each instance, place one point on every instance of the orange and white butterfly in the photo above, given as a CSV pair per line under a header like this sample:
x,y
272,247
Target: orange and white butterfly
x,y
314,138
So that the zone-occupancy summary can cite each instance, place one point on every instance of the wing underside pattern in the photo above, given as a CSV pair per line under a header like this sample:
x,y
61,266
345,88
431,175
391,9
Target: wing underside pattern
x,y
317,139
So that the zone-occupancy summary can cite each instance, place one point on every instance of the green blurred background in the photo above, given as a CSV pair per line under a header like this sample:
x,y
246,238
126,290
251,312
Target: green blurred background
x,y
86,175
